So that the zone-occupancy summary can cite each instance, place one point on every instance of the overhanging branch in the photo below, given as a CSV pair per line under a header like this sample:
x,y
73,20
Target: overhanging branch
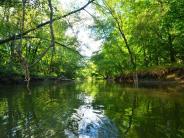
x,y
56,42
13,37
47,49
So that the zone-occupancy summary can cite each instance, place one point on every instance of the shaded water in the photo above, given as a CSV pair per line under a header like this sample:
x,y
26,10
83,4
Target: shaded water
x,y
91,110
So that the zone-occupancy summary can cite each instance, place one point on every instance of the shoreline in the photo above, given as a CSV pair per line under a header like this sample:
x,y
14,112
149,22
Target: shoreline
x,y
171,74
20,80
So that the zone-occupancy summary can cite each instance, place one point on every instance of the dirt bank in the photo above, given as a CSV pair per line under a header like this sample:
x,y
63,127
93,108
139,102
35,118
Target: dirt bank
x,y
162,74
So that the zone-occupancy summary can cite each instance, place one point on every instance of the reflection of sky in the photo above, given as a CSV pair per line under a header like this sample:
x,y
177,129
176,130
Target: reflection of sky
x,y
88,45
87,122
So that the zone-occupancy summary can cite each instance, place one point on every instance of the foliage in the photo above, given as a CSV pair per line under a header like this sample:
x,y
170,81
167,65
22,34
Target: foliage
x,y
136,35
153,31
34,48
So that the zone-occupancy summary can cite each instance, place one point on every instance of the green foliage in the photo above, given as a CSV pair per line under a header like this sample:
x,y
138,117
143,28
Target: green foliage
x,y
136,35
154,31
62,60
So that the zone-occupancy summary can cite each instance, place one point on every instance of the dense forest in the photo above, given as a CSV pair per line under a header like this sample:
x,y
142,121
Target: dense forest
x,y
33,40
139,34
136,35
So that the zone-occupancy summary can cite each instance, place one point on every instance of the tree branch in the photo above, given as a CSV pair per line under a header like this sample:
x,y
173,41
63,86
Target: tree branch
x,y
56,42
43,24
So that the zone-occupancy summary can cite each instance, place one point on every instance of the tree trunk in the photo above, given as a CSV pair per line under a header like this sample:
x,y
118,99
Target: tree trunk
x,y
171,49
119,23
52,43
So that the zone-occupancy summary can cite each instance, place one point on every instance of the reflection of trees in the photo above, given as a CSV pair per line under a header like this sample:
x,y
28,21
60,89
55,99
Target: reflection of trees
x,y
121,108
54,104
22,121
140,115
42,114
10,115
31,123
46,111
164,120
131,116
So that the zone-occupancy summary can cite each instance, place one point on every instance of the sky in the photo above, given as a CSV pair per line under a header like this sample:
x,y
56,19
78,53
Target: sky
x,y
87,42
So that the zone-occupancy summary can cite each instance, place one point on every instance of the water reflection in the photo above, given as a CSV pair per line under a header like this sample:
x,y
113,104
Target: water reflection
x,y
91,110
87,122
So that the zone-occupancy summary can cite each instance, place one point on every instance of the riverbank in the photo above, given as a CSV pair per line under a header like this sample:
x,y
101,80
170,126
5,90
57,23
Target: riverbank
x,y
159,74
154,75
13,78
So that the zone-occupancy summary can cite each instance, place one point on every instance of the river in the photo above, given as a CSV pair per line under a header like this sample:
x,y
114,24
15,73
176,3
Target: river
x,y
91,110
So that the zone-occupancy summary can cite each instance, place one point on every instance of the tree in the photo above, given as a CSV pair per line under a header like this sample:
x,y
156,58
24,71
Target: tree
x,y
33,42
150,32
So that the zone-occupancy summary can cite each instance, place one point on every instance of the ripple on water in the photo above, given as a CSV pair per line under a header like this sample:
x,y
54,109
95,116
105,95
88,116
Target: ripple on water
x,y
87,122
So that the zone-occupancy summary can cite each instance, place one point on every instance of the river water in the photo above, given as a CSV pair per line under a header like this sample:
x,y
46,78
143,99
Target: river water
x,y
91,110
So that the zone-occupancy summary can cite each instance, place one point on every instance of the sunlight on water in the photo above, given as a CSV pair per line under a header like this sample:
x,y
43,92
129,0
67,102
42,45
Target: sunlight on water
x,y
87,122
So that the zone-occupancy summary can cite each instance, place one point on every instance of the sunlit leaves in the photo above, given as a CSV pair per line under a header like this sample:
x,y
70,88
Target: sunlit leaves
x,y
154,31
65,60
